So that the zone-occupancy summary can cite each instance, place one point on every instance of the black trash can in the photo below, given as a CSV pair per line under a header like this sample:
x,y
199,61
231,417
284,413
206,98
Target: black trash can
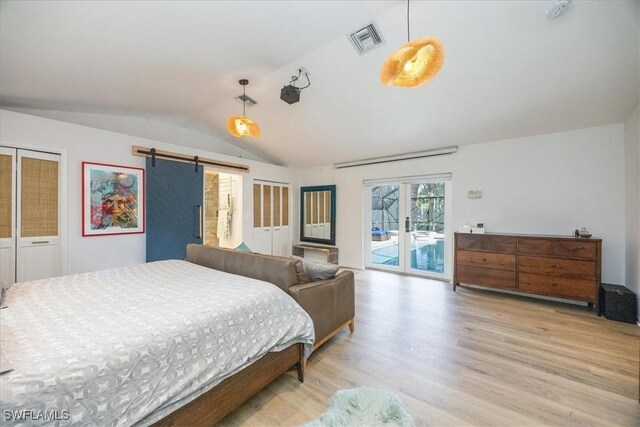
x,y
618,303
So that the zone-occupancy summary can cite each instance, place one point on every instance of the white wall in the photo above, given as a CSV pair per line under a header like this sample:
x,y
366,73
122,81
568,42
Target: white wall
x,y
83,143
548,184
632,184
544,184
146,128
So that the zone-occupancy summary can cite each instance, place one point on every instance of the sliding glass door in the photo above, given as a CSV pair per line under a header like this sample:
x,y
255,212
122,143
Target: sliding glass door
x,y
385,217
425,207
408,226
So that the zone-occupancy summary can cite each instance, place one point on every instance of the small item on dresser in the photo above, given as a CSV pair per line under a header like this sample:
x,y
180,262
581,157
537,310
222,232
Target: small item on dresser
x,y
584,233
577,233
472,230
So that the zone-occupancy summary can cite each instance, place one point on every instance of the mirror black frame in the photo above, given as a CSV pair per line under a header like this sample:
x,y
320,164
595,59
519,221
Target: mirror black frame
x,y
332,189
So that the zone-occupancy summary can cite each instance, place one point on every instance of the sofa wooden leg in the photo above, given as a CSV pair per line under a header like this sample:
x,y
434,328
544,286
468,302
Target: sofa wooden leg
x,y
352,325
301,365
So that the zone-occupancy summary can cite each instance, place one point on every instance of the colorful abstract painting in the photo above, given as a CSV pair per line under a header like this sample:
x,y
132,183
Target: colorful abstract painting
x,y
113,199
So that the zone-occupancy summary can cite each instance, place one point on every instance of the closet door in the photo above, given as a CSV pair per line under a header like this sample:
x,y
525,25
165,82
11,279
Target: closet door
x,y
38,215
271,229
262,218
7,215
281,231
175,194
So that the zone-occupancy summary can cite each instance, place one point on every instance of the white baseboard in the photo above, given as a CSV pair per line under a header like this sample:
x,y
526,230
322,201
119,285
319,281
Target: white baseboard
x,y
352,267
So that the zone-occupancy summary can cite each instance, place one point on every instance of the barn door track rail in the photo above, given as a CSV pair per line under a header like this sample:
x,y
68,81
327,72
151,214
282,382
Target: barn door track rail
x,y
196,160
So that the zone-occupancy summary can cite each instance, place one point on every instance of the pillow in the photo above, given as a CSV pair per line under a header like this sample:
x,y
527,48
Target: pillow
x,y
301,272
319,270
242,247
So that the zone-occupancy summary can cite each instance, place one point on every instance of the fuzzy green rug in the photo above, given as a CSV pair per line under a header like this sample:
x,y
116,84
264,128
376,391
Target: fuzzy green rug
x,y
364,406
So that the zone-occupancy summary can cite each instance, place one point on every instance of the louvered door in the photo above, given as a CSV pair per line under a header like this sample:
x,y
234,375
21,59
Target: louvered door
x,y
271,229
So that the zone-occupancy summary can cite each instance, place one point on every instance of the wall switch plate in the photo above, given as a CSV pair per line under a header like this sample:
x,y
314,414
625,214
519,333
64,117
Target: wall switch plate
x,y
474,194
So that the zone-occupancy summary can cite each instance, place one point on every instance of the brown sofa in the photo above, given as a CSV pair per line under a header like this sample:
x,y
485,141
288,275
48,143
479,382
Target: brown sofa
x,y
330,303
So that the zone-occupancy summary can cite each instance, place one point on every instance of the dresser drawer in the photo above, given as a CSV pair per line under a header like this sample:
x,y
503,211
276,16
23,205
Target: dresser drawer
x,y
486,277
487,260
563,287
557,267
560,248
482,242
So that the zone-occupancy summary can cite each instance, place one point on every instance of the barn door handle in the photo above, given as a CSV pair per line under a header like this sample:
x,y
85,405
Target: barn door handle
x,y
200,219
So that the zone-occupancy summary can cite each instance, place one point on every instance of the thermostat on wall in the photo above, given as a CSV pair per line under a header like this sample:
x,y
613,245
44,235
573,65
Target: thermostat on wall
x,y
474,194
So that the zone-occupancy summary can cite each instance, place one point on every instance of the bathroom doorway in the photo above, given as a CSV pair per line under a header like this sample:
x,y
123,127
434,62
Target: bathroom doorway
x,y
222,209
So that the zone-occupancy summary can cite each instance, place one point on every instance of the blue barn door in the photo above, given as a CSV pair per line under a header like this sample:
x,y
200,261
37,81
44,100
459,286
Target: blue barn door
x,y
174,208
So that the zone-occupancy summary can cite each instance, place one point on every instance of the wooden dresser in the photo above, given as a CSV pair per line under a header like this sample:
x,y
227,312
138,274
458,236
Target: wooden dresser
x,y
555,266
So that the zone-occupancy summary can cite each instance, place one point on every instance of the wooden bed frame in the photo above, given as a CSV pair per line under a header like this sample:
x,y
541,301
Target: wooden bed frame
x,y
213,405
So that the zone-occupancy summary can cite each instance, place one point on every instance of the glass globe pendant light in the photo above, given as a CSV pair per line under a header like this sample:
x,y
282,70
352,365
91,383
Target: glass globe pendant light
x,y
240,126
415,63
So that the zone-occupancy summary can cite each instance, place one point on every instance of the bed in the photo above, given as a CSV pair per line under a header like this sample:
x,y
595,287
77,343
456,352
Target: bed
x,y
132,345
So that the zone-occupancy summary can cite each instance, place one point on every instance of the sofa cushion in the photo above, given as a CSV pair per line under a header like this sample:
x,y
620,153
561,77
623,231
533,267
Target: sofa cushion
x,y
320,270
301,272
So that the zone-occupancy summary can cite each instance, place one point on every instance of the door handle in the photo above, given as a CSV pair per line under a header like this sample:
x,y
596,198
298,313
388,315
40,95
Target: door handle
x,y
40,242
200,219
407,225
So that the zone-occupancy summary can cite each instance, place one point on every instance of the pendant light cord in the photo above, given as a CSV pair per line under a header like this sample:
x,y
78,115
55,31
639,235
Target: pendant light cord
x,y
408,33
244,100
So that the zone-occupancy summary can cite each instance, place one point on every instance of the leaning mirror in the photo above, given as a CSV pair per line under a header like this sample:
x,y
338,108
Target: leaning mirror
x,y
318,214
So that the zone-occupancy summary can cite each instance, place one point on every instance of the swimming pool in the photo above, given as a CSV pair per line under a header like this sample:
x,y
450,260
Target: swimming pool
x,y
424,256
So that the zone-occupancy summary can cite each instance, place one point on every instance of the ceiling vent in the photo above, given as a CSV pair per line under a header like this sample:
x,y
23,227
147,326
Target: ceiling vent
x,y
366,38
247,100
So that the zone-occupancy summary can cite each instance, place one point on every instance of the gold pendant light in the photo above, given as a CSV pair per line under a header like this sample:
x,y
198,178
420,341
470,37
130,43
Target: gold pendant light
x,y
240,126
415,63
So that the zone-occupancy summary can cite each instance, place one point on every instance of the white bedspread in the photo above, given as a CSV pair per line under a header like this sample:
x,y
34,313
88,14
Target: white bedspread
x,y
129,345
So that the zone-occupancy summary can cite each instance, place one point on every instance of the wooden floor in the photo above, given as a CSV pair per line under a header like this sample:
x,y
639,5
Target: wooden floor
x,y
472,357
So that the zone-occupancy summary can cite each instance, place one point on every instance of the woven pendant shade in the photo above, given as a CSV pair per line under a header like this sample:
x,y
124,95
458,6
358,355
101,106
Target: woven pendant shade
x,y
413,64
240,126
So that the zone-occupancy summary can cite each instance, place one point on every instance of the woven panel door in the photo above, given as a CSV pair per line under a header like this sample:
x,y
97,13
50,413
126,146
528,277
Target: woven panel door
x,y
7,215
38,215
281,245
262,217
175,212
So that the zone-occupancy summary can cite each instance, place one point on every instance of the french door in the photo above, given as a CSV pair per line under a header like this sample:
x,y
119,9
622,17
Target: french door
x,y
408,225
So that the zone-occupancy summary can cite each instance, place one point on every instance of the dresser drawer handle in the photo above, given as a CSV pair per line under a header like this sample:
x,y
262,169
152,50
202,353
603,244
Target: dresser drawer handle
x,y
484,260
554,285
554,266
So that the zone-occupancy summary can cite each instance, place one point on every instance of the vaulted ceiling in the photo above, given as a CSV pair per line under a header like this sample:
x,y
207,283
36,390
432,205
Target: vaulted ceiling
x,y
509,70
